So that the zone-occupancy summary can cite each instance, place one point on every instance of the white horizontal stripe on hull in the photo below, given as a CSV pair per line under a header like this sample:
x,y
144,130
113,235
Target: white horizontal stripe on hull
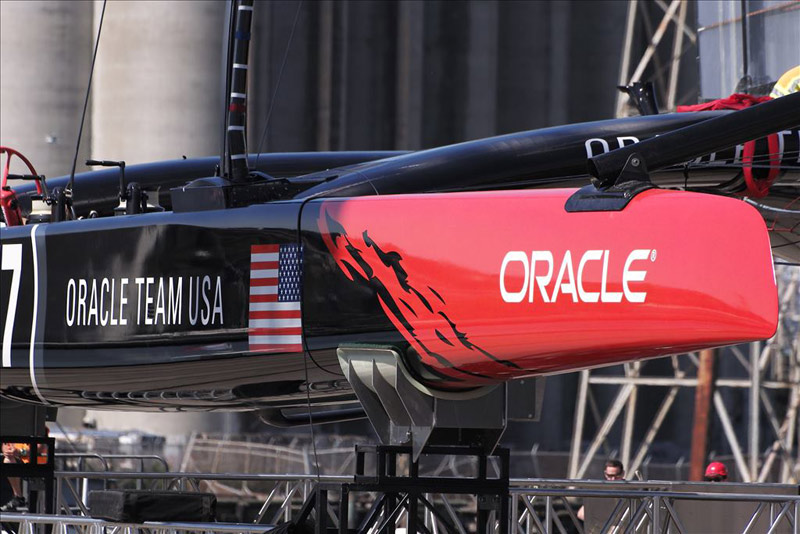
x,y
264,256
264,273
275,323
274,306
264,290
276,340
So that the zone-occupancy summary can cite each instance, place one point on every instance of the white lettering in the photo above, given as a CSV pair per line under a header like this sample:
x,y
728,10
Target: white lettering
x,y
105,287
509,296
123,300
161,308
566,282
622,143
565,287
193,309
605,295
139,283
93,304
148,300
113,321
205,314
159,300
70,312
81,301
541,281
590,151
175,300
218,302
589,255
634,276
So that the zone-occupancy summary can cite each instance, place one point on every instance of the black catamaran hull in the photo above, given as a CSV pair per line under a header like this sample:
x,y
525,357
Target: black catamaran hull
x,y
244,308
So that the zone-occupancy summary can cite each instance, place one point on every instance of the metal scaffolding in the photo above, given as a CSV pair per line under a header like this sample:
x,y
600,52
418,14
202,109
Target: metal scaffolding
x,y
773,385
665,74
536,506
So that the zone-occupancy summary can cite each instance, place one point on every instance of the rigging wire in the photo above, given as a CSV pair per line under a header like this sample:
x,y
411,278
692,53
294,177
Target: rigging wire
x,y
278,83
306,356
86,101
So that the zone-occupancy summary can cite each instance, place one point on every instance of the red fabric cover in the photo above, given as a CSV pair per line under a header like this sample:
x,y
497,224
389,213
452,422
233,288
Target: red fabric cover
x,y
735,101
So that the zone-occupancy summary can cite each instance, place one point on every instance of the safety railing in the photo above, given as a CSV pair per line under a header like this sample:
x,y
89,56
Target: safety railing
x,y
76,491
538,506
647,511
108,460
29,523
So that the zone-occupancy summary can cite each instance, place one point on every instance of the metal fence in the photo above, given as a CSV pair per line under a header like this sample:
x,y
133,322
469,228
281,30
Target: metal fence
x,y
538,506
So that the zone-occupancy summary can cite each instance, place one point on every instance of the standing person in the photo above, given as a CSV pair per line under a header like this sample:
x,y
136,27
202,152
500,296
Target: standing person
x,y
716,472
613,470
11,456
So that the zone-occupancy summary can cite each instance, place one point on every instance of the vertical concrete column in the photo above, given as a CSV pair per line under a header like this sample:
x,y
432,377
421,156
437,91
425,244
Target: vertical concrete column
x,y
260,78
45,55
481,112
158,83
324,75
558,75
523,75
283,77
410,39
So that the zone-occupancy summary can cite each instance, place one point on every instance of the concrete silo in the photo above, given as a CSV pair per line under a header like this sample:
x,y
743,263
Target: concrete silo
x,y
158,81
45,55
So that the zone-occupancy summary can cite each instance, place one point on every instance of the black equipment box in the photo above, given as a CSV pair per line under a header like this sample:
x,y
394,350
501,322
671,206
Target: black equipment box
x,y
138,506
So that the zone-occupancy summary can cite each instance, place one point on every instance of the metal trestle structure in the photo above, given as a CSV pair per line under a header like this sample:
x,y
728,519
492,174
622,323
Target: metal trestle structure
x,y
769,372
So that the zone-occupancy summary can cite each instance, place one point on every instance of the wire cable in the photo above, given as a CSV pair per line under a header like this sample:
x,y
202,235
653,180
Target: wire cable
x,y
306,352
86,101
278,83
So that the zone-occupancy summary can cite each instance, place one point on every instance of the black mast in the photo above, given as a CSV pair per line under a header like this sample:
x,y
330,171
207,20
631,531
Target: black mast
x,y
237,99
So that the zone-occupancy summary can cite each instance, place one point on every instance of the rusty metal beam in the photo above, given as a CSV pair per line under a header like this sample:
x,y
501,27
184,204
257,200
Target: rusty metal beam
x,y
702,413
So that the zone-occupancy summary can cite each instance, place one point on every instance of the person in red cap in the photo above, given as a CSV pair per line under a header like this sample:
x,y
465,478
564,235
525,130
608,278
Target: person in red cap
x,y
716,472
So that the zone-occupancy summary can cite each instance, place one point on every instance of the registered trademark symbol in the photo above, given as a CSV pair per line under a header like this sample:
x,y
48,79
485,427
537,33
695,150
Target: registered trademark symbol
x,y
653,255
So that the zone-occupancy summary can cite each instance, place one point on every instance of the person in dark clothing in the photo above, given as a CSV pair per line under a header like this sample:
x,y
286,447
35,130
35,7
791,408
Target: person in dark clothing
x,y
613,470
17,500
716,472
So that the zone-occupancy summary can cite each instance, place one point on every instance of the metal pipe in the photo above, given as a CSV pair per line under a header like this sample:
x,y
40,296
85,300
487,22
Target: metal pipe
x,y
630,413
754,430
702,409
577,428
753,518
777,519
616,407
650,435
92,523
640,494
686,382
676,56
693,141
730,433
630,26
656,39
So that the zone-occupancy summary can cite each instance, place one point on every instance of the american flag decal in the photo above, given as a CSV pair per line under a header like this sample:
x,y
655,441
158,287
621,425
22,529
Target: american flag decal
x,y
275,322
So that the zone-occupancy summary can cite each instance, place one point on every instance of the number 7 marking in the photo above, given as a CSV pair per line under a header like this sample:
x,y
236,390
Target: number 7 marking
x,y
12,261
